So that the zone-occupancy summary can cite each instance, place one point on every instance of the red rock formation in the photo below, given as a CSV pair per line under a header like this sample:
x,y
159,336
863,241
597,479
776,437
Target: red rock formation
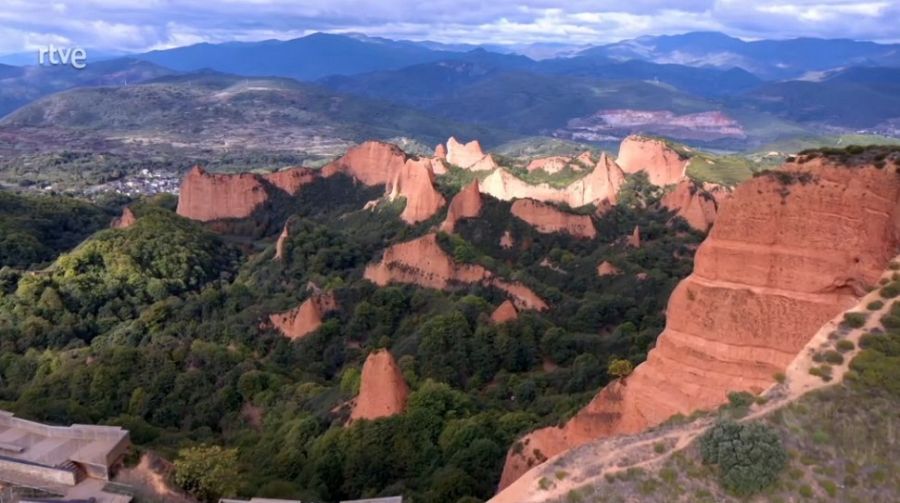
x,y
465,204
551,165
282,241
440,151
423,262
634,240
504,313
126,220
207,197
306,318
548,219
692,203
607,269
585,158
382,390
468,156
292,179
663,165
601,184
781,260
378,163
506,240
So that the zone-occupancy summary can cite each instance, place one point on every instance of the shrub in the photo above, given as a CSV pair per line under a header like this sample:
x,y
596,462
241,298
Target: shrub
x,y
780,377
806,491
854,320
823,371
620,368
749,456
844,345
833,357
890,290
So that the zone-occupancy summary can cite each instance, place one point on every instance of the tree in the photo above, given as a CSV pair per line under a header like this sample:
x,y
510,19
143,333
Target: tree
x,y
620,368
749,456
207,472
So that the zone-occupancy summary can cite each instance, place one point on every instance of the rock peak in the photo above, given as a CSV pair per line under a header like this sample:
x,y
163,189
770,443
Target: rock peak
x,y
663,164
382,390
466,203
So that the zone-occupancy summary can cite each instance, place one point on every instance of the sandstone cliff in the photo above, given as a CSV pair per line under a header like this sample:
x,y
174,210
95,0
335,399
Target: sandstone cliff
x,y
468,156
663,165
601,184
377,163
693,203
787,253
125,220
382,390
607,269
207,196
422,262
505,312
465,204
292,179
282,241
306,318
548,219
553,164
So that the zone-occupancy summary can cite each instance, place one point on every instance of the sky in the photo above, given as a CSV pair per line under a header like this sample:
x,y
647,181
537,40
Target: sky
x,y
140,25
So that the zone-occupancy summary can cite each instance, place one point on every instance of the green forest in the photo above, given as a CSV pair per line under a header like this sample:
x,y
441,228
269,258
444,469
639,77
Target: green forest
x,y
159,328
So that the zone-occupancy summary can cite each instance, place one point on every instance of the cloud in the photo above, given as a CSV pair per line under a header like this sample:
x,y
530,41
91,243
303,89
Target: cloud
x,y
126,25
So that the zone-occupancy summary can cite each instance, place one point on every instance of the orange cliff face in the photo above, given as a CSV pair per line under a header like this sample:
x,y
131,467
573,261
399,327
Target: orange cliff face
x,y
379,163
207,197
422,262
465,204
124,221
548,219
663,165
553,164
695,204
306,318
467,156
601,184
781,260
505,312
382,390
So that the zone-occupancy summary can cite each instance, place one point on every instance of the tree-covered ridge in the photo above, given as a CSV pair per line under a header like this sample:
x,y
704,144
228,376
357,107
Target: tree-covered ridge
x,y
160,328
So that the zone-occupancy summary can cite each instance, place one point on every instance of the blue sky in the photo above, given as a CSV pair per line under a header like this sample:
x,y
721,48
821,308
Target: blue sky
x,y
138,25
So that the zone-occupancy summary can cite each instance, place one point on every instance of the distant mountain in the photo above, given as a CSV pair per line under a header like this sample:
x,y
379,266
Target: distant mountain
x,y
219,112
307,58
22,85
768,59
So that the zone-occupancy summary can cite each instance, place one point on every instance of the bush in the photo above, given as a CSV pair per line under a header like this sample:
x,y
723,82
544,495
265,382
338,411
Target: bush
x,y
890,290
844,345
854,320
749,456
823,371
875,305
780,377
833,357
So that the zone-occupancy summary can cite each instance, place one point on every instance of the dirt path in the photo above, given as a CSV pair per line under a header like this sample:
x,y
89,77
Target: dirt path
x,y
590,464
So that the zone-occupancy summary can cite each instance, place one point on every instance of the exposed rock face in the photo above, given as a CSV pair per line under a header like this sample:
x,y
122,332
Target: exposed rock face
x,y
207,197
548,219
378,163
466,204
553,164
602,184
468,156
292,179
282,241
423,262
663,165
506,241
634,240
504,313
124,221
306,318
585,158
440,151
382,390
781,260
607,269
692,203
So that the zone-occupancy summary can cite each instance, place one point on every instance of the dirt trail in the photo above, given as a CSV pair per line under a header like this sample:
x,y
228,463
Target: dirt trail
x,y
589,464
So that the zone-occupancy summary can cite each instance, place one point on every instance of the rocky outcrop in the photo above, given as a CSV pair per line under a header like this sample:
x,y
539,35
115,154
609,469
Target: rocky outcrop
x,y
207,197
422,262
634,240
281,243
292,179
506,240
377,163
306,318
382,389
551,165
548,219
663,165
607,269
601,184
505,312
468,156
125,220
440,151
787,253
465,204
694,204
586,158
